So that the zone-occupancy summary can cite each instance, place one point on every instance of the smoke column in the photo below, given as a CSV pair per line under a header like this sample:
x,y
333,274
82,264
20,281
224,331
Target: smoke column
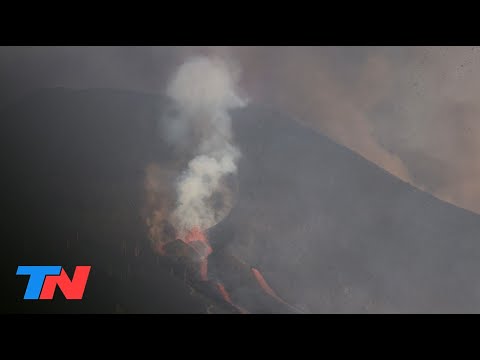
x,y
203,91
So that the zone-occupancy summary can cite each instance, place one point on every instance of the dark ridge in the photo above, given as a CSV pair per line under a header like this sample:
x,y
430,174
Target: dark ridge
x,y
329,230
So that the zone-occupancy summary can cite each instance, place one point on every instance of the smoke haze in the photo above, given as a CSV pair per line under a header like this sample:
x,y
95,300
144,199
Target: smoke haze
x,y
411,110
203,90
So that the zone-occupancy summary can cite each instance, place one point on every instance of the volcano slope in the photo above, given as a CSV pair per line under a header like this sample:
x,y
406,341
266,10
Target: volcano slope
x,y
329,230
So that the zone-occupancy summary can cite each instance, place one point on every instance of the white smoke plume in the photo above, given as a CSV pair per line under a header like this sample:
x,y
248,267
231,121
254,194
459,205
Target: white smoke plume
x,y
203,90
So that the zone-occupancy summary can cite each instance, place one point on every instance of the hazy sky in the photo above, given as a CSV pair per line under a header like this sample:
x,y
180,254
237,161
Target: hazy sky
x,y
412,110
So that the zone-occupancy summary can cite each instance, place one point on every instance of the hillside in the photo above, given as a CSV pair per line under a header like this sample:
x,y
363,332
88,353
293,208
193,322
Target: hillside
x,y
330,231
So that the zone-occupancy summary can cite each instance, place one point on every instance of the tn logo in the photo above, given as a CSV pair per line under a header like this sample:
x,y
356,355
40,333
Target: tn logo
x,y
44,280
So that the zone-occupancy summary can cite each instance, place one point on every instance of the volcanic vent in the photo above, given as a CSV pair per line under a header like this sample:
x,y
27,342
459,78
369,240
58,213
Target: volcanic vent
x,y
198,126
329,230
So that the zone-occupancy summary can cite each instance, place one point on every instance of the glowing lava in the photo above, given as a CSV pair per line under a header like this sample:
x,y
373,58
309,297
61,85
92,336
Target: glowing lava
x,y
198,249
195,234
263,283
224,293
198,241
265,287
226,297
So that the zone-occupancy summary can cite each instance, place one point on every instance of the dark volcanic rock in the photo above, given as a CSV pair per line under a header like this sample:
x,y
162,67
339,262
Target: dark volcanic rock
x,y
333,232
330,231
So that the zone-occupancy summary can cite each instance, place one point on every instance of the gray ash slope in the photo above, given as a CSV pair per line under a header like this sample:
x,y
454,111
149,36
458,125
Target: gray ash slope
x,y
73,165
334,232
330,231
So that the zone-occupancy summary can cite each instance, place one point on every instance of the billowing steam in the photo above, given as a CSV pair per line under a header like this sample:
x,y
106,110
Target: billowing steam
x,y
203,91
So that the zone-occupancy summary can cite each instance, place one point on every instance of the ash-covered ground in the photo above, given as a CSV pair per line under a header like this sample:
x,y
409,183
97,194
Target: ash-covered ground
x,y
329,230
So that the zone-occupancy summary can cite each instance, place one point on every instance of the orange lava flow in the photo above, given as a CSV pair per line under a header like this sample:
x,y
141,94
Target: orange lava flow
x,y
204,270
194,238
226,297
224,293
195,234
263,283
265,287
